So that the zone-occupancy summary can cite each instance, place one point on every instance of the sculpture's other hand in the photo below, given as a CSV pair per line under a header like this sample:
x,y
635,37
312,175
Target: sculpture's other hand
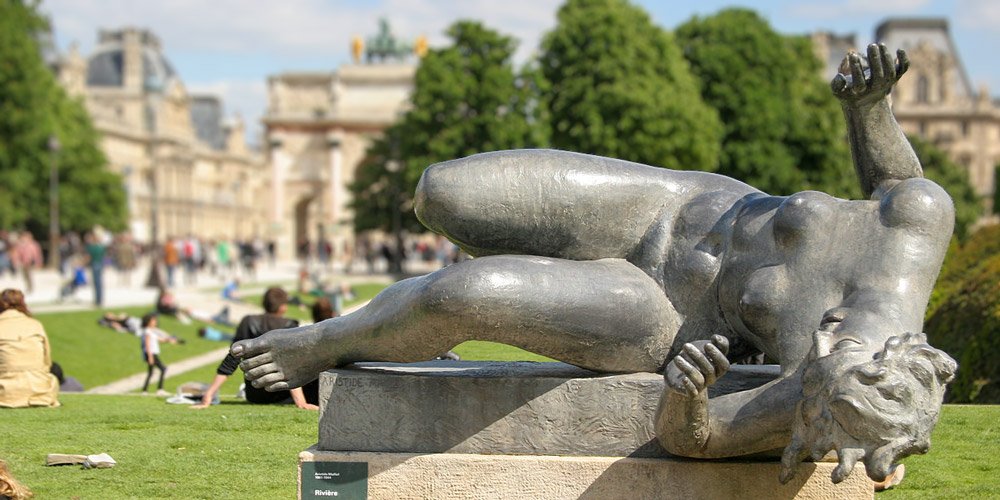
x,y
698,366
863,86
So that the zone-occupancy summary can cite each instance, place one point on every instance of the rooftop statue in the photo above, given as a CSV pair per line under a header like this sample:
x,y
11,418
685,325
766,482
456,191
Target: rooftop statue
x,y
619,267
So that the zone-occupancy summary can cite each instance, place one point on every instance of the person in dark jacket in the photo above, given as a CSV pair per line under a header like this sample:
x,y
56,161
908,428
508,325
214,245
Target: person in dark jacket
x,y
275,306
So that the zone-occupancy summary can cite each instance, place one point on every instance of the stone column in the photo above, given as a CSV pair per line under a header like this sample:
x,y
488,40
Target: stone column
x,y
336,198
280,164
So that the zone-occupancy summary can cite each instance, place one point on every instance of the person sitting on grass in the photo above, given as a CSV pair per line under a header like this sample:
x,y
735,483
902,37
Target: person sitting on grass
x,y
166,303
231,291
25,357
151,338
275,306
121,322
214,335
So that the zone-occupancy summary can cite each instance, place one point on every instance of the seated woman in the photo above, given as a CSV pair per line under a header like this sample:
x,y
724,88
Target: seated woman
x,y
25,360
619,267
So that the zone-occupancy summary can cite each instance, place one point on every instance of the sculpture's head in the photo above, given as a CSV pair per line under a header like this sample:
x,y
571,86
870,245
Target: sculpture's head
x,y
871,408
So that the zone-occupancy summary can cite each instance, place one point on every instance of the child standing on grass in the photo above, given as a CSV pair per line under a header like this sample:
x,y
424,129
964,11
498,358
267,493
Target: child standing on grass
x,y
151,338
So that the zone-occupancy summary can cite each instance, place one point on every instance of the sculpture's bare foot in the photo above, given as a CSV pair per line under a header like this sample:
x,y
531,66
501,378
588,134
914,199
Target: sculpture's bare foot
x,y
284,359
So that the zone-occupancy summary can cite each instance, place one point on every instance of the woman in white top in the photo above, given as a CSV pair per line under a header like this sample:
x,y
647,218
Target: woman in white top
x,y
151,338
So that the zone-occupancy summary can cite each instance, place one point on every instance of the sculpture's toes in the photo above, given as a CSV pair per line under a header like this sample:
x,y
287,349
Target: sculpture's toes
x,y
249,348
250,364
270,381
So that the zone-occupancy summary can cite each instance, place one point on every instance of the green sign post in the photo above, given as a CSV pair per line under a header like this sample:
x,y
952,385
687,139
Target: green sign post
x,y
340,480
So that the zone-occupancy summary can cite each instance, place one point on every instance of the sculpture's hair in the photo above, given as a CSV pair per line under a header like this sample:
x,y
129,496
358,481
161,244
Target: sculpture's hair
x,y
876,412
12,298
10,487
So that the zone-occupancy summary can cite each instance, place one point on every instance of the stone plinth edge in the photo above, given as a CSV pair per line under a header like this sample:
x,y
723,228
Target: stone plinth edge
x,y
453,475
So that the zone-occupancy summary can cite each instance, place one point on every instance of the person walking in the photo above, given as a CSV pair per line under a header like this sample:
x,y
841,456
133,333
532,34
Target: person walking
x,y
95,255
27,255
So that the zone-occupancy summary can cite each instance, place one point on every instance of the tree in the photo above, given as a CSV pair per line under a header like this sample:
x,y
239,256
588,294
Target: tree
x,y
965,320
784,131
34,107
467,99
620,88
954,179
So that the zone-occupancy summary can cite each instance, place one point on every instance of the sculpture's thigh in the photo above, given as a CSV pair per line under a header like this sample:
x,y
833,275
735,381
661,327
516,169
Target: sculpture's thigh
x,y
605,315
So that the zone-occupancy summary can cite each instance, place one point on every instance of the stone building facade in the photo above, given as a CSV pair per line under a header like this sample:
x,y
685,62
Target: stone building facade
x,y
318,128
185,170
936,99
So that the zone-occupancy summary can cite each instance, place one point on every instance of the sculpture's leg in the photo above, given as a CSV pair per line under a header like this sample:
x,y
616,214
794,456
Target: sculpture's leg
x,y
604,315
555,203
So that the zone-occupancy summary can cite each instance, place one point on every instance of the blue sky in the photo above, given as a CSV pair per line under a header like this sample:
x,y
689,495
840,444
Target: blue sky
x,y
229,47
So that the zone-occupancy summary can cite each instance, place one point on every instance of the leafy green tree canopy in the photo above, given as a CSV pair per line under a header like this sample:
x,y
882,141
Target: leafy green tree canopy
x,y
620,88
33,107
784,131
467,99
954,179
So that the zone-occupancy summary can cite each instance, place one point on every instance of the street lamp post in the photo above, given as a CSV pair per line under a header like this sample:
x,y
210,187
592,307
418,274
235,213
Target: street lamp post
x,y
395,169
54,148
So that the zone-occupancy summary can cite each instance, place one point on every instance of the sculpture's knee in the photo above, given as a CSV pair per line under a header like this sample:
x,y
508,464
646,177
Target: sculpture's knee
x,y
477,287
920,206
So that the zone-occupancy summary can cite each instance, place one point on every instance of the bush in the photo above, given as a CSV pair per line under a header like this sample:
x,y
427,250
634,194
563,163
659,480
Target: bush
x,y
964,316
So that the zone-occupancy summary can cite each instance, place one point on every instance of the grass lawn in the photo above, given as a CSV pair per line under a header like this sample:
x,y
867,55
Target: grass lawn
x,y
962,462
234,450
237,450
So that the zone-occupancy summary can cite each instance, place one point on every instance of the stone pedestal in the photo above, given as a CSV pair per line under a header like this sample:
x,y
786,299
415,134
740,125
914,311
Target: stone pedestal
x,y
402,476
448,429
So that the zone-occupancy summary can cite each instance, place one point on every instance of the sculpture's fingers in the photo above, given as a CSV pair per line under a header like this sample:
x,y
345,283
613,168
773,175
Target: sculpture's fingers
x,y
875,63
718,359
838,84
260,371
254,362
693,374
858,84
701,362
888,65
269,380
904,62
722,343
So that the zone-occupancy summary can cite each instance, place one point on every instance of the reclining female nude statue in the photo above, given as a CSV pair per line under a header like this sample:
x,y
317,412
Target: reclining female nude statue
x,y
619,267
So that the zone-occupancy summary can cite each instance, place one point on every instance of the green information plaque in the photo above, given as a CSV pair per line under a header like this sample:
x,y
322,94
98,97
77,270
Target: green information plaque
x,y
340,480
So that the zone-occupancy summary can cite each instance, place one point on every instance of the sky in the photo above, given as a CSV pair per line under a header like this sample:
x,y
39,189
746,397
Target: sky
x,y
230,47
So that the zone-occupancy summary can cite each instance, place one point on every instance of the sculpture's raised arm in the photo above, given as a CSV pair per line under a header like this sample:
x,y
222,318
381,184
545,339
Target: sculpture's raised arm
x,y
882,155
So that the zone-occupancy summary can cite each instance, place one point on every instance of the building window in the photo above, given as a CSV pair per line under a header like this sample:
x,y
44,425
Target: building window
x,y
922,89
965,128
923,129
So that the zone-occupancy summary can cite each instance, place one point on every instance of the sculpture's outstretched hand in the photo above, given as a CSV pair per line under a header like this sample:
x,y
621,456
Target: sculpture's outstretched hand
x,y
863,86
698,366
